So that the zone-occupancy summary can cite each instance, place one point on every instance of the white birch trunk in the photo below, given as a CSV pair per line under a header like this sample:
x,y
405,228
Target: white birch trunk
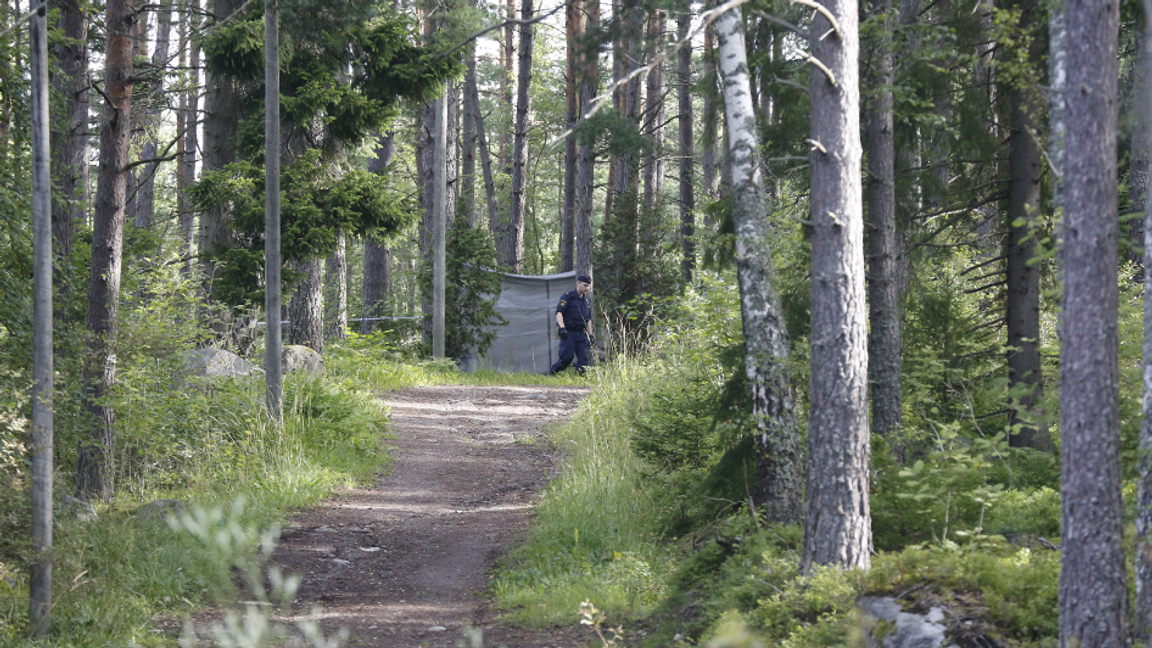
x,y
766,344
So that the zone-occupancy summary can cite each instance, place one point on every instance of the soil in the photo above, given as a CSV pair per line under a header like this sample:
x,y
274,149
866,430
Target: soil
x,y
407,562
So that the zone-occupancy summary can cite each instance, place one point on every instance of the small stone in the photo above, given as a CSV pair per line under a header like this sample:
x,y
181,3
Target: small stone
x,y
369,549
437,629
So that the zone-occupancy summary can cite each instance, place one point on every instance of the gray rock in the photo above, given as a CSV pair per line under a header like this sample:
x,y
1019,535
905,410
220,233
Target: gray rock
x,y
158,509
887,625
216,363
298,357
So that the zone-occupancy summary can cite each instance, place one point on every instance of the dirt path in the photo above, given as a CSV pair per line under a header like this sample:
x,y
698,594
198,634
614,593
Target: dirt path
x,y
405,562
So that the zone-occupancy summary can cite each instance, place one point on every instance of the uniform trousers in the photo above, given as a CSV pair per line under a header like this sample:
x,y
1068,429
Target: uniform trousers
x,y
574,346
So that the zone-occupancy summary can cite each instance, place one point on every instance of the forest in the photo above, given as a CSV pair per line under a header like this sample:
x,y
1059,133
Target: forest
x,y
869,302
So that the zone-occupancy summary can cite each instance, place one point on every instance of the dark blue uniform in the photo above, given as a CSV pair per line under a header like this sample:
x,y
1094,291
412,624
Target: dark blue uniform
x,y
577,313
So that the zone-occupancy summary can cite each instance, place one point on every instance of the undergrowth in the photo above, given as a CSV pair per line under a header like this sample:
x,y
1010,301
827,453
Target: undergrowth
x,y
650,522
120,578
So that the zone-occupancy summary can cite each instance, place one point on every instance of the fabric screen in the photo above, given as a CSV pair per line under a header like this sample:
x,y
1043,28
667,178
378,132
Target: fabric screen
x,y
528,341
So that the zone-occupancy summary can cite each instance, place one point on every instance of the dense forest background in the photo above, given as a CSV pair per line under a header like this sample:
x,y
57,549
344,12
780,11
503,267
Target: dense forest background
x,y
867,278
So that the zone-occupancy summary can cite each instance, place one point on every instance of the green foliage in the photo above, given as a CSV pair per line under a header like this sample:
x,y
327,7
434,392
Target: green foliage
x,y
319,202
637,263
346,80
471,287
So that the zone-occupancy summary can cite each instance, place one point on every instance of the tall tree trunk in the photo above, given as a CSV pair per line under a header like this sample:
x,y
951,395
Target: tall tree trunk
x,y
1141,155
452,148
506,89
654,114
1093,579
632,35
766,345
94,458
1142,619
885,338
838,523
336,300
140,40
186,176
306,309
573,33
468,137
514,253
708,82
687,152
377,258
273,257
40,582
70,137
146,190
586,160
425,170
472,98
439,229
1023,275
221,122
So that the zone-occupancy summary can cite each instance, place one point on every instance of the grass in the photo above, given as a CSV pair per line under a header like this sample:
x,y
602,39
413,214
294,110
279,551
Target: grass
x,y
116,576
594,530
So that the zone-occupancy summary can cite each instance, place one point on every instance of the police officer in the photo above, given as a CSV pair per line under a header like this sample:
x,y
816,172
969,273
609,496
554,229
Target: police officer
x,y
574,319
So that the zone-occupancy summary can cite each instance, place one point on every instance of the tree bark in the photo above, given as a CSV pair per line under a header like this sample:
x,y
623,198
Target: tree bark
x,y
146,191
885,337
273,258
468,137
40,581
573,33
221,122
70,137
1141,155
687,152
336,301
306,310
514,253
1142,619
1093,580
838,523
377,258
708,79
766,345
452,149
139,53
472,97
94,458
654,114
186,175
586,160
439,228
1023,276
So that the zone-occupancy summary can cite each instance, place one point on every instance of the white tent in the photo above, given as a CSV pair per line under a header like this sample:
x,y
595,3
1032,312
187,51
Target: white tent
x,y
528,341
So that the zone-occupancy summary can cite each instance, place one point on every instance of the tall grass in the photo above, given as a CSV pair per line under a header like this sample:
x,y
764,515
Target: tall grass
x,y
595,528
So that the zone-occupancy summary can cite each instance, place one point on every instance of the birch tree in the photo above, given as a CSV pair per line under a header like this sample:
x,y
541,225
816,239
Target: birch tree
x,y
766,345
